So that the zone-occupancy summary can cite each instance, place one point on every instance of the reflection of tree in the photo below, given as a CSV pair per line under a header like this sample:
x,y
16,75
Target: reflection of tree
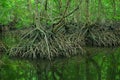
x,y
57,72
73,69
49,70
112,68
42,69
89,60
98,69
87,69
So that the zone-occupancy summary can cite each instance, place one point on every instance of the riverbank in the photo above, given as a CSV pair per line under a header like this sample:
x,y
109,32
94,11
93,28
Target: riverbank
x,y
68,41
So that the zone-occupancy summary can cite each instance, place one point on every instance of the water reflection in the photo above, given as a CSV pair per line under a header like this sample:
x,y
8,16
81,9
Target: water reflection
x,y
100,65
17,70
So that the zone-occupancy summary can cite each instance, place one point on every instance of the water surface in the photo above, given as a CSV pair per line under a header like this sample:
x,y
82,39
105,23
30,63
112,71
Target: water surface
x,y
97,64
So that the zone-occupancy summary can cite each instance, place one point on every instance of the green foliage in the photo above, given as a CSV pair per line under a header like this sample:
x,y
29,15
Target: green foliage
x,y
24,11
10,40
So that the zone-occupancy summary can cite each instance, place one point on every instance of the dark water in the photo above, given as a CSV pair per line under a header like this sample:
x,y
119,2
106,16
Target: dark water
x,y
99,64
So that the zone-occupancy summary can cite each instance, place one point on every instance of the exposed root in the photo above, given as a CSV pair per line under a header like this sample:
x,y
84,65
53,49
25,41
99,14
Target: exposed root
x,y
99,36
37,44
44,44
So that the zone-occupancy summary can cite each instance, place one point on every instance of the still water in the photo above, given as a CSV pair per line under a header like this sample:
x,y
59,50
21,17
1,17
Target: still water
x,y
99,64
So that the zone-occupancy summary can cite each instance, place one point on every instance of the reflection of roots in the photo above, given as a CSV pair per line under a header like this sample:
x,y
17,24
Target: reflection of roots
x,y
37,44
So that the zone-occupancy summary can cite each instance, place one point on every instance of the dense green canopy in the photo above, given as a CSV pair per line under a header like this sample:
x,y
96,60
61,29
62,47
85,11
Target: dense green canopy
x,y
51,11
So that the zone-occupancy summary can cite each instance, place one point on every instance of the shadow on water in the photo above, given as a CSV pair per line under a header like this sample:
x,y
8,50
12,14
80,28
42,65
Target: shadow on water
x,y
96,64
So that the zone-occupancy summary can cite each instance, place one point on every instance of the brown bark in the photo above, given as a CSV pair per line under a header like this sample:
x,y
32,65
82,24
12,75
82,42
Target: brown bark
x,y
29,5
37,16
87,11
99,9
114,8
46,4
61,21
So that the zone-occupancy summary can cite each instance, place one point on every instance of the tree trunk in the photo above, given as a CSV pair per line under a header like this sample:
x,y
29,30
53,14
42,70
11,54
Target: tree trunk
x,y
87,11
114,8
37,16
99,10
